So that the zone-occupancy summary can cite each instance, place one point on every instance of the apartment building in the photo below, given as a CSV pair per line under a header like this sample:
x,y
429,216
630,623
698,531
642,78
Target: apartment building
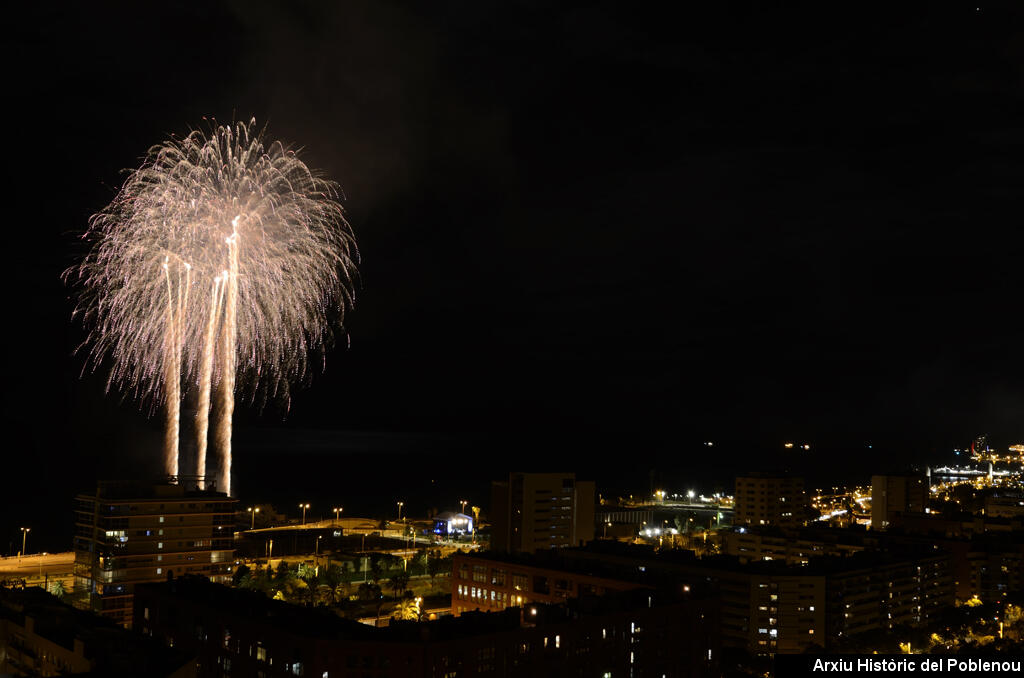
x,y
129,533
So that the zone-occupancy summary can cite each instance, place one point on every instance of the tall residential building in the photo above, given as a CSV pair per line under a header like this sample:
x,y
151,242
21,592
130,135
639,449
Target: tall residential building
x,y
767,499
129,533
894,494
535,511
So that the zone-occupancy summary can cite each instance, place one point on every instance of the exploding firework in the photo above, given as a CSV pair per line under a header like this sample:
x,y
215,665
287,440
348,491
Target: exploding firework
x,y
223,259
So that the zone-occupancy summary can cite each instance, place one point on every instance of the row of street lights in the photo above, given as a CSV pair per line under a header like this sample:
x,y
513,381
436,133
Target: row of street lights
x,y
253,510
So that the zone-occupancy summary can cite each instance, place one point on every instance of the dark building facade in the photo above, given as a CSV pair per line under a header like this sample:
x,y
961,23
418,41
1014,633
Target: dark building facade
x,y
41,636
771,607
128,533
892,495
770,500
491,582
243,633
537,511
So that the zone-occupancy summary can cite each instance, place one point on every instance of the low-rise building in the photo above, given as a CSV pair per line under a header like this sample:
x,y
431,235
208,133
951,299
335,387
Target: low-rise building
x,y
244,633
492,581
795,547
449,523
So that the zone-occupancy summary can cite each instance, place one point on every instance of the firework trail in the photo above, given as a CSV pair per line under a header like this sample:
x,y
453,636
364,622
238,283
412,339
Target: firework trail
x,y
229,338
263,240
206,375
177,303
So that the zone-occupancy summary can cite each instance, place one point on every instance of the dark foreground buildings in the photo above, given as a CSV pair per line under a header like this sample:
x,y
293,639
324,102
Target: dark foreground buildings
x,y
243,633
765,607
41,636
129,533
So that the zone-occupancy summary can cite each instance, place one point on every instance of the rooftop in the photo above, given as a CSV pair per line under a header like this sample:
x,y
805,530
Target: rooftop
x,y
324,624
112,650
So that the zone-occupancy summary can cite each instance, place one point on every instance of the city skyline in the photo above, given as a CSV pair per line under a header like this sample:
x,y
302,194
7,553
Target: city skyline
x,y
622,272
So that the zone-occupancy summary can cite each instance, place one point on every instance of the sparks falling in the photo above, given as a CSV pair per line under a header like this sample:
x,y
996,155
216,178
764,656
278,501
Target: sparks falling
x,y
264,242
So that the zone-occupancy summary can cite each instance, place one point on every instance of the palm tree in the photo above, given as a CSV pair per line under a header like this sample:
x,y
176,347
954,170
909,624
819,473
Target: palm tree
x,y
57,589
341,591
398,583
376,567
408,609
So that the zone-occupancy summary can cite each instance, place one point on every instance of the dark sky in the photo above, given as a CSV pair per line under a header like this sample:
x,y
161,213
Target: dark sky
x,y
578,226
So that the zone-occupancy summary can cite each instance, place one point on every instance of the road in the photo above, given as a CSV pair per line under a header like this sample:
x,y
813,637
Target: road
x,y
40,569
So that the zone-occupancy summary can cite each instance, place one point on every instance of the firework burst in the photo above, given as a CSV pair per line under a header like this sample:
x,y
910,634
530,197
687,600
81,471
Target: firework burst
x,y
223,259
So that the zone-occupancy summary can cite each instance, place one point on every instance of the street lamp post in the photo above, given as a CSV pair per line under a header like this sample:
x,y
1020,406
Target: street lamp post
x,y
24,534
463,502
337,514
316,551
304,507
400,505
253,511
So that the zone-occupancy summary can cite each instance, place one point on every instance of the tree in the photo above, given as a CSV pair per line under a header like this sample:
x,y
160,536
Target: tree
x,y
305,572
399,582
282,573
376,567
435,566
241,573
408,609
57,589
368,592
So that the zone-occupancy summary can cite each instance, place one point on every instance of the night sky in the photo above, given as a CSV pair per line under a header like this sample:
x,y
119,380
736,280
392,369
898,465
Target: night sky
x,y
589,233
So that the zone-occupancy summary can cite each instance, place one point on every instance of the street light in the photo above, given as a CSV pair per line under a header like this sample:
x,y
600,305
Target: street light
x,y
337,515
400,505
253,511
304,507
463,502
24,533
316,552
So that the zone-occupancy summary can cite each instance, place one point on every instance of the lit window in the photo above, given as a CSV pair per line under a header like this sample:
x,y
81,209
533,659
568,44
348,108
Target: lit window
x,y
159,570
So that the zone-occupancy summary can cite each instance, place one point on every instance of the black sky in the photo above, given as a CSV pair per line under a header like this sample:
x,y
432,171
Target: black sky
x,y
734,222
